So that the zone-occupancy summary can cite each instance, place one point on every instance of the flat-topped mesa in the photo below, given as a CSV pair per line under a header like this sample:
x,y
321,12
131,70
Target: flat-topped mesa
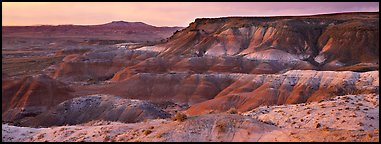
x,y
125,23
329,41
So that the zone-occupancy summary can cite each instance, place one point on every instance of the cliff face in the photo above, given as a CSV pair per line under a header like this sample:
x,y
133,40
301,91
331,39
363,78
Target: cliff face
x,y
328,41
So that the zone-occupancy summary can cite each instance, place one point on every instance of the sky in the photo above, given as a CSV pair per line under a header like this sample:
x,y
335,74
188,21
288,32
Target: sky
x,y
160,13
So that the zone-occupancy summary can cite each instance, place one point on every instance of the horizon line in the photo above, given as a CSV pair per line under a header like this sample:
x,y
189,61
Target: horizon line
x,y
233,16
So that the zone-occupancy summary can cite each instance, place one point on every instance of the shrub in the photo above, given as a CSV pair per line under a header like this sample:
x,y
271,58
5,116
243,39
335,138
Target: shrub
x,y
159,135
232,111
318,125
147,132
179,117
370,135
41,136
220,127
107,138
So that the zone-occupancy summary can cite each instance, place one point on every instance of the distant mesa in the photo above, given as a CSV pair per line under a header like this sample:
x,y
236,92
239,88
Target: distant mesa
x,y
125,23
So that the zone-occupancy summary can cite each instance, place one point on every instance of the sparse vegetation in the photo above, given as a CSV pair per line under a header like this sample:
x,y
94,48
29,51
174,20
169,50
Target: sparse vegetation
x,y
318,125
179,117
107,138
147,132
159,135
220,127
232,111
370,135
40,136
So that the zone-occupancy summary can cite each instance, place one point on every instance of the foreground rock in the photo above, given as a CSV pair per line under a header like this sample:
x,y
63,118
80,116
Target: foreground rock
x,y
214,127
349,112
315,122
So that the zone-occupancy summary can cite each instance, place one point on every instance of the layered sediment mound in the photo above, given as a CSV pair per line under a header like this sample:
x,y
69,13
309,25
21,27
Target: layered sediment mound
x,y
96,107
297,86
119,65
179,88
328,41
97,65
209,64
31,96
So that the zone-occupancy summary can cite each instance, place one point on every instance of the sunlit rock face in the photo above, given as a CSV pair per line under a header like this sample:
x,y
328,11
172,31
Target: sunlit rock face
x,y
347,38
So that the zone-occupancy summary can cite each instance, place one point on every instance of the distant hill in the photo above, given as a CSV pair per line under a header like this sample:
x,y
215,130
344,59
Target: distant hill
x,y
115,30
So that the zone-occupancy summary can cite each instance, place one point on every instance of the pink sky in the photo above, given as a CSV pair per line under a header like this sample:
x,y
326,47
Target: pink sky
x,y
162,14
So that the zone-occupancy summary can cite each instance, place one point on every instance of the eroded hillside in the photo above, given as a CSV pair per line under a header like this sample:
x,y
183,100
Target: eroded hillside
x,y
302,78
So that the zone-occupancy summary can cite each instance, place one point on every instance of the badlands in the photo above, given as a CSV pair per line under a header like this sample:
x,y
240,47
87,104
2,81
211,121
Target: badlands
x,y
257,79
